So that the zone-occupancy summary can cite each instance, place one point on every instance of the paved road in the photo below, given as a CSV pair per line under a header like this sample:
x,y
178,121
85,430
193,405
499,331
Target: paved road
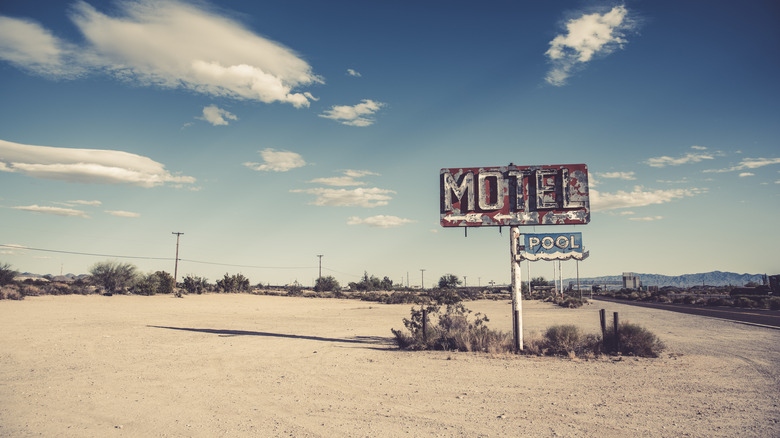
x,y
769,318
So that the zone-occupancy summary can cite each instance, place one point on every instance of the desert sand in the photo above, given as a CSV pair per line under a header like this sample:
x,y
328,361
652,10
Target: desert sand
x,y
246,365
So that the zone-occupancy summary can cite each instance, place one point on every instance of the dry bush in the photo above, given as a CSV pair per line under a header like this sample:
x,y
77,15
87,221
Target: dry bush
x,y
10,292
452,330
635,340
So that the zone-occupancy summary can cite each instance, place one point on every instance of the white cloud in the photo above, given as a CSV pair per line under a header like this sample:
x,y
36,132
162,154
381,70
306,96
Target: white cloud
x,y
29,46
122,213
81,202
59,211
628,176
360,197
744,174
170,44
216,116
338,181
85,165
690,157
380,221
347,180
747,163
353,73
586,37
699,148
358,115
646,219
277,161
639,197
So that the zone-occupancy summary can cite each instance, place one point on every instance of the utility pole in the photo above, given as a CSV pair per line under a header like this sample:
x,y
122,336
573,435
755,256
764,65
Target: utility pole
x,y
176,265
422,272
465,283
320,256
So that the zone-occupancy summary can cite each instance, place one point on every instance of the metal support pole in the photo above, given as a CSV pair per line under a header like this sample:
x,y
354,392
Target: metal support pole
x,y
517,281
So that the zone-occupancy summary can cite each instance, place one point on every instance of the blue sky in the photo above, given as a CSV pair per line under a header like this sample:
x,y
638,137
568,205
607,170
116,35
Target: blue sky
x,y
270,132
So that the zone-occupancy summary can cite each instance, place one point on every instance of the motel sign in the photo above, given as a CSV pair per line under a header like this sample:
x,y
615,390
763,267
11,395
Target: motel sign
x,y
551,246
514,195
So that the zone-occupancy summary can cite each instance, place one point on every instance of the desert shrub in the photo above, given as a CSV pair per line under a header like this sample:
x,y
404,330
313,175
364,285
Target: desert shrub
x,y
635,340
7,274
10,292
452,330
719,302
444,296
327,284
194,284
561,339
233,283
294,290
159,282
774,303
745,302
404,298
29,290
113,276
572,302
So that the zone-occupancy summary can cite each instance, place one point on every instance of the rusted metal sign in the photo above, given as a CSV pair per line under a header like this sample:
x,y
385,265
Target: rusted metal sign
x,y
514,195
551,246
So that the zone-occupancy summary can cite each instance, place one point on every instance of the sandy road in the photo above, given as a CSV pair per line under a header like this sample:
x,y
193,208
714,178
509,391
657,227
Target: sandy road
x,y
244,365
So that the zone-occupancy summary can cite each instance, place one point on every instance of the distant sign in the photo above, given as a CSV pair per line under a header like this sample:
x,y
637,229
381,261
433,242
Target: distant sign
x,y
551,246
514,195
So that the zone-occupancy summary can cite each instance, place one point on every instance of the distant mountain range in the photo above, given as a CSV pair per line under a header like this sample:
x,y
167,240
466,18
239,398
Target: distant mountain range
x,y
714,278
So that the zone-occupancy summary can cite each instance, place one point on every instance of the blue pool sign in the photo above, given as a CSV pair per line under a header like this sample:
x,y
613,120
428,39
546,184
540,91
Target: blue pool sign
x,y
551,246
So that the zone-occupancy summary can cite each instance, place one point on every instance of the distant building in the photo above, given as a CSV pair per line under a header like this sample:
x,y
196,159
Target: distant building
x,y
631,281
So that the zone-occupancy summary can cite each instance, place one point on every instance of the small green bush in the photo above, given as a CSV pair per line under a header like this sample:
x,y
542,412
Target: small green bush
x,y
562,339
774,303
634,340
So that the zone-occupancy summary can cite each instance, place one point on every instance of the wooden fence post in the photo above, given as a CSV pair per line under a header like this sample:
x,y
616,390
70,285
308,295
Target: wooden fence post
x,y
617,334
603,318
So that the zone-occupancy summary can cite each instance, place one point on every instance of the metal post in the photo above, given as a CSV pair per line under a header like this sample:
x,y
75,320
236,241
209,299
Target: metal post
x,y
320,256
578,279
517,280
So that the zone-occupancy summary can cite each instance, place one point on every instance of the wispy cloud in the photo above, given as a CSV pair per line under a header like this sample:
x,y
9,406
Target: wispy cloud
x,y
690,157
27,45
59,211
646,218
357,115
628,176
164,43
77,202
348,178
638,197
277,161
747,163
380,221
359,197
744,174
122,213
216,115
587,36
353,73
699,148
85,165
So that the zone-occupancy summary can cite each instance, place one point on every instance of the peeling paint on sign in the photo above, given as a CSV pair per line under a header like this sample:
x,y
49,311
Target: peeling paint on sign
x,y
551,246
514,195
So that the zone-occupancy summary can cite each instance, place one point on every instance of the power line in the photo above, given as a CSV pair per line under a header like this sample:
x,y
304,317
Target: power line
x,y
150,258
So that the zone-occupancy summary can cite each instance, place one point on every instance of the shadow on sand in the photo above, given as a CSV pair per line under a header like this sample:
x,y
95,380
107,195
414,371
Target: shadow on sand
x,y
380,343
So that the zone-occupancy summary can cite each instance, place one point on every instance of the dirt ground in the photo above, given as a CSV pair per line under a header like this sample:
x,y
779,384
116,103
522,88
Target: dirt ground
x,y
246,365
